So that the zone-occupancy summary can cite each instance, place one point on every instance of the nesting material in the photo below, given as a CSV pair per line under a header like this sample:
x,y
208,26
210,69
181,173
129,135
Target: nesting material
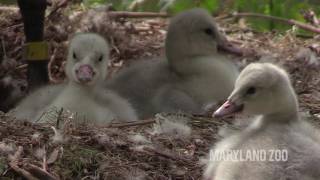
x,y
173,126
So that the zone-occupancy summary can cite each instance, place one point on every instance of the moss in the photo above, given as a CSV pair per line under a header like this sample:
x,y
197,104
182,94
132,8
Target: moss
x,y
77,161
3,164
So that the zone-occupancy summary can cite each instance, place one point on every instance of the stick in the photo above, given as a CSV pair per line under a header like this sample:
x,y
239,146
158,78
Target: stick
x,y
22,172
40,172
13,164
22,66
167,154
8,8
128,124
125,14
282,20
3,49
59,119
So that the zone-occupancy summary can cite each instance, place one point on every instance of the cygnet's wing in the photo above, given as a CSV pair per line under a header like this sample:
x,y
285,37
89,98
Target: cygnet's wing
x,y
304,145
140,82
310,129
170,100
36,102
119,106
239,123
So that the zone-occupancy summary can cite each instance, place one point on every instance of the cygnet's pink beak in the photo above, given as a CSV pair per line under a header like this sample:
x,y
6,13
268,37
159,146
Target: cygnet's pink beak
x,y
227,109
85,73
228,47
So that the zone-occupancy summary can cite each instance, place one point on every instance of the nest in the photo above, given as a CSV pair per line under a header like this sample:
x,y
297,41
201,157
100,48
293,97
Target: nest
x,y
136,150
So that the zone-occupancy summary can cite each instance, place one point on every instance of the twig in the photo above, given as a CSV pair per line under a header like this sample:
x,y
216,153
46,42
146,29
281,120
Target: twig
x,y
16,25
22,172
22,66
13,164
8,8
59,119
167,155
43,174
224,16
205,119
128,124
282,20
125,14
3,50
44,160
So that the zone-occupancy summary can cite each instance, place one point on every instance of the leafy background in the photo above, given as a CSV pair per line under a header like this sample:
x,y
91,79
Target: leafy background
x,y
280,8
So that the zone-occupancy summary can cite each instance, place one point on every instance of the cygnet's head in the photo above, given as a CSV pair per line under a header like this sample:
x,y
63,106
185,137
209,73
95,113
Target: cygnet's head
x,y
261,89
193,33
88,58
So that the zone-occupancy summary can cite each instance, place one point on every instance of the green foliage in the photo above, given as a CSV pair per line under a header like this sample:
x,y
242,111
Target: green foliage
x,y
8,2
211,5
290,9
181,5
173,6
118,4
145,5
281,8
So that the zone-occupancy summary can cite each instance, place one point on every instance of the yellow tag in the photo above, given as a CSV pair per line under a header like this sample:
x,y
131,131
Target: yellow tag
x,y
36,51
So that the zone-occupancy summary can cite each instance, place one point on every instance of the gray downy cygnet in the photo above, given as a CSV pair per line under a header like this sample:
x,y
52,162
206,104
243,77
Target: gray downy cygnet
x,y
193,74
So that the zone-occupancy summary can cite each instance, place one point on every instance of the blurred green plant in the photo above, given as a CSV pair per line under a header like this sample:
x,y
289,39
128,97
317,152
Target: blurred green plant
x,y
8,2
290,9
180,5
117,4
281,8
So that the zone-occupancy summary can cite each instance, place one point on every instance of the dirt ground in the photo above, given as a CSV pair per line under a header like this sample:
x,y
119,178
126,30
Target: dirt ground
x,y
134,151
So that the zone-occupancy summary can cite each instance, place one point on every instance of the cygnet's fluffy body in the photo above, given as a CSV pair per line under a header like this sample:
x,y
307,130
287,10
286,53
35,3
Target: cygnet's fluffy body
x,y
265,90
193,75
35,103
86,69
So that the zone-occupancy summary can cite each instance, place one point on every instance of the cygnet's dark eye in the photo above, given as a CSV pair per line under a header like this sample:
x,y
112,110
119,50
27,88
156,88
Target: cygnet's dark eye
x,y
74,56
251,91
209,31
100,58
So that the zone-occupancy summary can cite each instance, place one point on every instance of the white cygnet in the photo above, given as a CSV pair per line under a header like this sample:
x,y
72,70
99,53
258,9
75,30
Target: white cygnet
x,y
82,94
265,90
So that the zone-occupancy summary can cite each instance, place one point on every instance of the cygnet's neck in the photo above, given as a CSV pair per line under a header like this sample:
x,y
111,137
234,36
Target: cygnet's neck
x,y
81,87
288,110
281,117
200,64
